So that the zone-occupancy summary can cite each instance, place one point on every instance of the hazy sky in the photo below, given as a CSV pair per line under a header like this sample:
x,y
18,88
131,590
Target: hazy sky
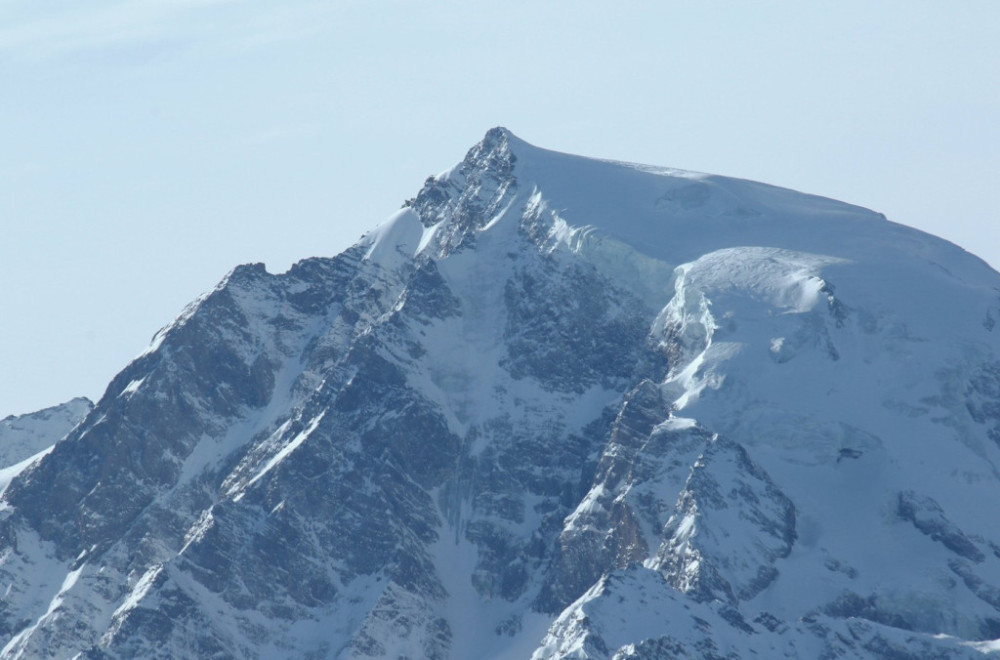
x,y
148,146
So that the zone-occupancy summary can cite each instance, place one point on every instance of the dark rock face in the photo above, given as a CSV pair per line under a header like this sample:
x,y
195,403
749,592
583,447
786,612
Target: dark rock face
x,y
478,433
927,516
606,532
571,330
983,398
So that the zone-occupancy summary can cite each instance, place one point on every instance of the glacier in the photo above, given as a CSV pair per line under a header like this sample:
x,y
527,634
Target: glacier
x,y
554,407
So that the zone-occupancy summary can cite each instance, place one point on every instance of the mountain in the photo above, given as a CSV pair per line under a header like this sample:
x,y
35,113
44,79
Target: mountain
x,y
555,407
25,438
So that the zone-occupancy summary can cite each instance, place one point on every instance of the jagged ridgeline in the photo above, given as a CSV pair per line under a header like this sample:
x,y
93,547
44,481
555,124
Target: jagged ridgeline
x,y
553,408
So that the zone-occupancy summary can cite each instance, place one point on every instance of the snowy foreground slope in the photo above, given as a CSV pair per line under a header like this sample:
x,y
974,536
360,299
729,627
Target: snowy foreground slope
x,y
554,408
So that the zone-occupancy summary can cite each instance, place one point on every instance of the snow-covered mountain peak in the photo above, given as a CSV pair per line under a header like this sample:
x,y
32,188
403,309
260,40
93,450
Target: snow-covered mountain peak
x,y
656,210
555,407
26,439
22,436
638,223
667,214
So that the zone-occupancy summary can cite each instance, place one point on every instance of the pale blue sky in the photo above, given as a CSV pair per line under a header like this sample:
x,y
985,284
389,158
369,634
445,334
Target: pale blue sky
x,y
148,146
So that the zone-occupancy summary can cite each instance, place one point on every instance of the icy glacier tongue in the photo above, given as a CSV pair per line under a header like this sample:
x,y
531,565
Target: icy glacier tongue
x,y
555,407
